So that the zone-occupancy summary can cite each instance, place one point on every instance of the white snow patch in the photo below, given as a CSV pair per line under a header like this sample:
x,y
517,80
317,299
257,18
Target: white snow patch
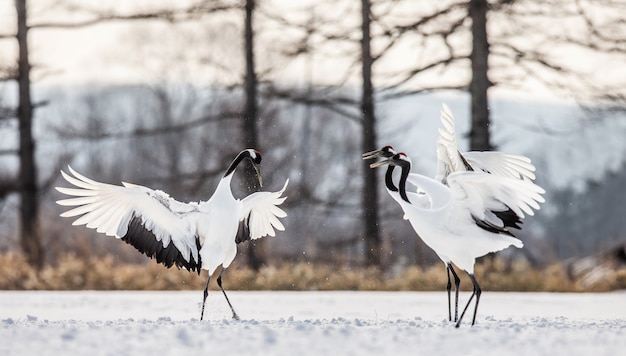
x,y
308,323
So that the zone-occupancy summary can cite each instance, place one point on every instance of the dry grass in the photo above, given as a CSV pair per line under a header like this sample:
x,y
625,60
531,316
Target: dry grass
x,y
73,273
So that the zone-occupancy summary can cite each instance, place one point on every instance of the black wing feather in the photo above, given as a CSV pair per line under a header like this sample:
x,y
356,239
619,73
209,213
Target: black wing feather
x,y
145,242
509,219
243,233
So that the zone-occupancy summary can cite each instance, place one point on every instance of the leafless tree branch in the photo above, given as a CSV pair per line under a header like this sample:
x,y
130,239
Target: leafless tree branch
x,y
192,12
419,70
9,151
402,93
145,132
334,103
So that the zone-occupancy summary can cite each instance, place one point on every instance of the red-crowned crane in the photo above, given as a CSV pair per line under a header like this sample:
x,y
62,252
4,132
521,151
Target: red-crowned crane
x,y
491,210
193,236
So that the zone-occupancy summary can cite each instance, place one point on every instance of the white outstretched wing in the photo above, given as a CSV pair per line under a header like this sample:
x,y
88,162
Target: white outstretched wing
x,y
149,220
502,164
484,196
260,214
449,159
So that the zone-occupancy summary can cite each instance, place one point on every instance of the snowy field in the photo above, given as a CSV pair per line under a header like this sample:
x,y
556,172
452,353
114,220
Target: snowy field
x,y
308,323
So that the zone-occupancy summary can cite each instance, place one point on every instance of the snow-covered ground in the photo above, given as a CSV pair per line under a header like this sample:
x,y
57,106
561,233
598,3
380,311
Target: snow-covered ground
x,y
308,323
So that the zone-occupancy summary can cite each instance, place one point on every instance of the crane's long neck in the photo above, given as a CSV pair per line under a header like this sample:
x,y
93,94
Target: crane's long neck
x,y
389,179
223,190
231,169
406,168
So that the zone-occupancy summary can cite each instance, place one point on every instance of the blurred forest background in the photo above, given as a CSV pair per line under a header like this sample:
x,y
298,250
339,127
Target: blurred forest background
x,y
165,93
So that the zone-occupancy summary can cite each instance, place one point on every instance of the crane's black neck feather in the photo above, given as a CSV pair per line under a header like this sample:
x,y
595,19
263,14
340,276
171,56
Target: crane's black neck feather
x,y
240,157
406,167
389,179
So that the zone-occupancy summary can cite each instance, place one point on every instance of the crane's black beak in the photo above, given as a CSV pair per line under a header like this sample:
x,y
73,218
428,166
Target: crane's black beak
x,y
257,168
373,154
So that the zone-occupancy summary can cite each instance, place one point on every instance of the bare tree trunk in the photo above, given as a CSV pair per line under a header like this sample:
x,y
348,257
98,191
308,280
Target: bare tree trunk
x,y
479,133
370,191
30,243
256,248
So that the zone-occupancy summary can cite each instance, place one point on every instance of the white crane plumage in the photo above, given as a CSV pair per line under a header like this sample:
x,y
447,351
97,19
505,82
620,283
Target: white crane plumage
x,y
450,159
468,209
193,236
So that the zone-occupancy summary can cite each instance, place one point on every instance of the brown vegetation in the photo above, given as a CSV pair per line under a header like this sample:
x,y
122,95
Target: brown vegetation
x,y
74,273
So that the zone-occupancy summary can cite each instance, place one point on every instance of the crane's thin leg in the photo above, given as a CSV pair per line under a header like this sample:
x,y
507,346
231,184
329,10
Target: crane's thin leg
x,y
457,283
477,292
219,283
206,293
449,288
